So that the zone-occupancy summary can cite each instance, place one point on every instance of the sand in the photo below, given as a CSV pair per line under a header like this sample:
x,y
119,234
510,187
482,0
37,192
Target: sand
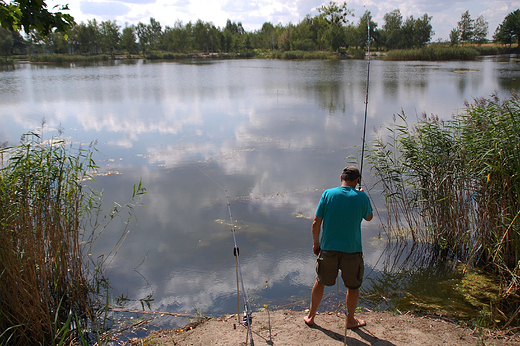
x,y
286,327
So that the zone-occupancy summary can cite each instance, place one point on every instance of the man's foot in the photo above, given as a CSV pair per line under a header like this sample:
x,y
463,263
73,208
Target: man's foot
x,y
308,321
356,324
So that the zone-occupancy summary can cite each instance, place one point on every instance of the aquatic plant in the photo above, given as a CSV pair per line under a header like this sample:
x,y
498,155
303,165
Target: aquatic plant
x,y
49,288
433,54
455,184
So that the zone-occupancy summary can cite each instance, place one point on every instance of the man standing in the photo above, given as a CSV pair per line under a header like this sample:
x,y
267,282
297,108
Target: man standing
x,y
341,211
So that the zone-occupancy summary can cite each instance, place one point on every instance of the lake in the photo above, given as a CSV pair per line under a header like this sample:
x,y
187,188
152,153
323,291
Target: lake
x,y
268,136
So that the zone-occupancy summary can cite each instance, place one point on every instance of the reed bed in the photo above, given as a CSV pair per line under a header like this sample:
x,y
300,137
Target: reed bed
x,y
304,55
49,289
433,54
455,184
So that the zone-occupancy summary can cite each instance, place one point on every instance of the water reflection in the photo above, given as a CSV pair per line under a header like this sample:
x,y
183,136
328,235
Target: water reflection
x,y
274,134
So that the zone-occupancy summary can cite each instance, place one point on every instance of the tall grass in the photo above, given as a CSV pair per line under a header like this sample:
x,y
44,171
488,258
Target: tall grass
x,y
48,288
455,184
433,54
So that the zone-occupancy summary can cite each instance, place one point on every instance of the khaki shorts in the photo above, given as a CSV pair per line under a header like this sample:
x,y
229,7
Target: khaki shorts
x,y
351,264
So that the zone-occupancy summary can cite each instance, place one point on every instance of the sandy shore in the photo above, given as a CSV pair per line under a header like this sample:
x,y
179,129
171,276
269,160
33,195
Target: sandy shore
x,y
286,327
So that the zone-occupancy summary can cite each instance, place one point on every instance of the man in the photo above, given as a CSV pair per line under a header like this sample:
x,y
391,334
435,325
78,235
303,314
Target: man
x,y
341,211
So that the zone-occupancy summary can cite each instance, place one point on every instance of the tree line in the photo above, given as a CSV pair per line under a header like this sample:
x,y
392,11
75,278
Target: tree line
x,y
330,30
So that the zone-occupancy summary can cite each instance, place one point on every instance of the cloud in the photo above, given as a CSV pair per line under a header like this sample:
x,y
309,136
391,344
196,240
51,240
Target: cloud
x,y
104,9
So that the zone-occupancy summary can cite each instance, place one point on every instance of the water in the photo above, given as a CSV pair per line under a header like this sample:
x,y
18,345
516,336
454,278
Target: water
x,y
274,134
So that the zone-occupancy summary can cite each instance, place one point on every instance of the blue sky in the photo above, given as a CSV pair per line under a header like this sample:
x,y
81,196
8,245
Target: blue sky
x,y
253,13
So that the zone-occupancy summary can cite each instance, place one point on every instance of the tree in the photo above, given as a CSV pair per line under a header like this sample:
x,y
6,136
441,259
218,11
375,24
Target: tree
x,y
509,31
480,30
33,15
454,36
128,39
408,33
268,36
302,36
336,16
143,33
155,32
465,27
110,36
392,28
6,42
423,30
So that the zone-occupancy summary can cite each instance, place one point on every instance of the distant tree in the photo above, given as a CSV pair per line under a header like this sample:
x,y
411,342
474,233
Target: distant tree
x,y
19,43
33,15
392,29
423,30
454,36
128,39
465,28
480,30
155,32
351,36
110,36
6,42
336,16
509,31
283,38
55,42
303,37
408,33
232,27
268,36
143,34
226,41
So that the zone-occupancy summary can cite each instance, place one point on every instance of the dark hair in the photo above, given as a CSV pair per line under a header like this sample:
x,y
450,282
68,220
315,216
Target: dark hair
x,y
350,173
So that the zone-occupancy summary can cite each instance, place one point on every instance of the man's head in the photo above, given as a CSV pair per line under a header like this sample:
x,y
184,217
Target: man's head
x,y
350,174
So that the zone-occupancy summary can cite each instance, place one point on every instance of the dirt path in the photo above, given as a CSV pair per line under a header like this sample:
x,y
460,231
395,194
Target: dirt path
x,y
286,327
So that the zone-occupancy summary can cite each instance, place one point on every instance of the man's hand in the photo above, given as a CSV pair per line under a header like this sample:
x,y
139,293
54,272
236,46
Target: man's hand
x,y
316,249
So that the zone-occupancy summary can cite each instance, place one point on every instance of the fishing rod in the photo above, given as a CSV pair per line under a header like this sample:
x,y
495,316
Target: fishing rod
x,y
362,149
248,318
366,103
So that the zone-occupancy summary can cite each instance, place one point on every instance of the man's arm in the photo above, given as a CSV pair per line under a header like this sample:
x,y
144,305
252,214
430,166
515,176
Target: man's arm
x,y
370,217
316,226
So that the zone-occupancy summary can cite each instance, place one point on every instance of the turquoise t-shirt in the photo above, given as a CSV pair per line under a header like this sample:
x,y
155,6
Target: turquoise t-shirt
x,y
342,209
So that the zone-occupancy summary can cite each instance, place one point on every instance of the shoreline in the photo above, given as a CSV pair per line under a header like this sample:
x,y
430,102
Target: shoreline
x,y
286,327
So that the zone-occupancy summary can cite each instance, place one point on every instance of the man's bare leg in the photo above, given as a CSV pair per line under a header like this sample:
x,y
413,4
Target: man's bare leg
x,y
316,295
352,300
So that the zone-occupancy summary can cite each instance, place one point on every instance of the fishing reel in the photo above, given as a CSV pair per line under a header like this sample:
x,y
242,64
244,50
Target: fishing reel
x,y
248,317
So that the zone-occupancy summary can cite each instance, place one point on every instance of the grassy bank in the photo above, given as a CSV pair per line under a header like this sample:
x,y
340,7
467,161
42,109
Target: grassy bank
x,y
63,58
455,184
49,290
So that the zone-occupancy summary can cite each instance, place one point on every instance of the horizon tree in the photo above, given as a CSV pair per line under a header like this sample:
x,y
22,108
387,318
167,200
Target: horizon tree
x,y
508,31
336,17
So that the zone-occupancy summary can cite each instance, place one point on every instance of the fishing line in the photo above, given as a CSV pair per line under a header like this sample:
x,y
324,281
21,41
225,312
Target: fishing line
x,y
248,318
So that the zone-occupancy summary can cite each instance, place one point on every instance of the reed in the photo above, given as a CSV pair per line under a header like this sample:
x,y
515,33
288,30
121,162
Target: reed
x,y
304,55
433,54
455,184
49,289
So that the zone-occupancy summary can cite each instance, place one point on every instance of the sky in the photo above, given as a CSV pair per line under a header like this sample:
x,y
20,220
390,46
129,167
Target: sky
x,y
253,13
